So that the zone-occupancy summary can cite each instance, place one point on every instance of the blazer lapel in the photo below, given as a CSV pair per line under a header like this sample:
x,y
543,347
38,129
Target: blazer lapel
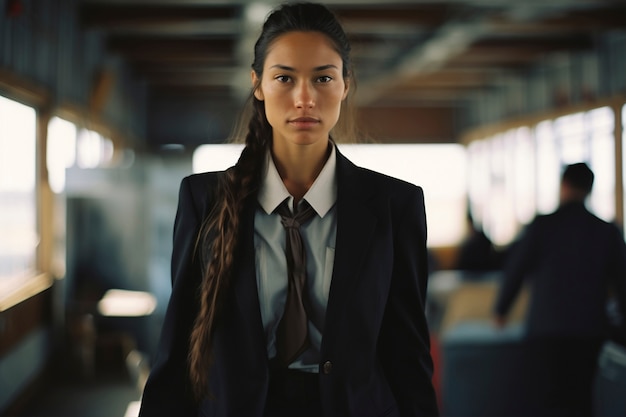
x,y
356,222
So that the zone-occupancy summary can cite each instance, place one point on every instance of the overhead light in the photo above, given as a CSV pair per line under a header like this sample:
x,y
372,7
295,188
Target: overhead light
x,y
173,147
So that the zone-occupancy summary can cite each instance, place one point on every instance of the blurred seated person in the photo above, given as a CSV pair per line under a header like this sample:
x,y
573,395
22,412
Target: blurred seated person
x,y
477,253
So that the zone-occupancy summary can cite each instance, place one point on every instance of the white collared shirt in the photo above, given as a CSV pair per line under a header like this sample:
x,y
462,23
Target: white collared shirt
x,y
271,265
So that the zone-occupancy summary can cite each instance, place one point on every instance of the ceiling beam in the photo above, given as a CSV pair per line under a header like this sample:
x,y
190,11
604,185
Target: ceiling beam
x,y
459,37
169,50
446,42
112,16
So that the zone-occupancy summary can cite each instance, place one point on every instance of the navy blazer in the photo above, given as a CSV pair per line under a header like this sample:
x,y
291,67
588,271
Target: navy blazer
x,y
375,352
574,262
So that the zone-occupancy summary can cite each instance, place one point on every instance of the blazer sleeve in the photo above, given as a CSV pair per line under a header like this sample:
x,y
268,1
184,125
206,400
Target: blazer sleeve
x,y
522,257
404,342
168,391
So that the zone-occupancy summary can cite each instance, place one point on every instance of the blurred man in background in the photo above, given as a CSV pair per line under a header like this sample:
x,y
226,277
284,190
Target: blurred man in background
x,y
575,263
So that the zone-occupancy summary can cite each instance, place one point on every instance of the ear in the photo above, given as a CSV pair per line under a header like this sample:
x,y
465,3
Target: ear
x,y
258,93
346,88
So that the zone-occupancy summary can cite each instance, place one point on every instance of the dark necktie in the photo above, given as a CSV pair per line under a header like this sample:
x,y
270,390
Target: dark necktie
x,y
292,334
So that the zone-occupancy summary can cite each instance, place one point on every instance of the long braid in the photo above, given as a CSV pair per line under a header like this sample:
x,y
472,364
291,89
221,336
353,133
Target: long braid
x,y
218,240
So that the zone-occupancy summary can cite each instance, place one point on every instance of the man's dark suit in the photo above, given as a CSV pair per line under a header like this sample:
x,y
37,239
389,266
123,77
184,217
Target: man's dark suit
x,y
574,261
375,358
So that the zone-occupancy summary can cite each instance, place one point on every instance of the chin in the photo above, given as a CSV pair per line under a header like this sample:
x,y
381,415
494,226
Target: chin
x,y
308,140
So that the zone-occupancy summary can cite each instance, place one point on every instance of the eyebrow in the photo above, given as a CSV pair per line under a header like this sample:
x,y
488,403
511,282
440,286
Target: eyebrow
x,y
316,69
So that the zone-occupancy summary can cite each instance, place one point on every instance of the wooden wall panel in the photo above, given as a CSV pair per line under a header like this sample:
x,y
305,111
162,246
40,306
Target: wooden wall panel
x,y
23,318
407,124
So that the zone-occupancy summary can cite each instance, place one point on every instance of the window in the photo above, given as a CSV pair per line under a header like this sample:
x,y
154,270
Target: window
x,y
548,168
92,149
500,223
18,198
215,157
524,175
69,145
438,169
600,129
524,166
572,140
61,151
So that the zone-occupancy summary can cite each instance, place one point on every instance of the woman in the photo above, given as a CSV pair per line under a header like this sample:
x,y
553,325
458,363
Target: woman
x,y
360,345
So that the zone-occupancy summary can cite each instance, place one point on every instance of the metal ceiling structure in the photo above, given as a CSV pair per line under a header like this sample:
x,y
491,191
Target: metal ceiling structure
x,y
406,53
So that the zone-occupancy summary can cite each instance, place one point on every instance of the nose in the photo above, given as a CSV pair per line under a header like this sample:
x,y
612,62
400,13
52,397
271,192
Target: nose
x,y
304,95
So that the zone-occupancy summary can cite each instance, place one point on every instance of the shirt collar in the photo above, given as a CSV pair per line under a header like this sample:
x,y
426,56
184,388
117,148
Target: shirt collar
x,y
321,196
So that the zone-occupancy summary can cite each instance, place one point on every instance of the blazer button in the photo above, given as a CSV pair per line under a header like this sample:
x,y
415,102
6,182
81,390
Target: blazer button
x,y
327,367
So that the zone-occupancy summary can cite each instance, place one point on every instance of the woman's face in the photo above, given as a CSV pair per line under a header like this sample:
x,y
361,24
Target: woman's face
x,y
302,87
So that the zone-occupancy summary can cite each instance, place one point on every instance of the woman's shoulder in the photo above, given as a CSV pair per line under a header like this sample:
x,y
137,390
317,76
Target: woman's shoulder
x,y
203,181
200,187
204,176
386,179
385,183
377,179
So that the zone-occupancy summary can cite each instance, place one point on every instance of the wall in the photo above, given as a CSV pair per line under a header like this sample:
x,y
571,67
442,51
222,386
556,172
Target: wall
x,y
195,121
25,345
407,125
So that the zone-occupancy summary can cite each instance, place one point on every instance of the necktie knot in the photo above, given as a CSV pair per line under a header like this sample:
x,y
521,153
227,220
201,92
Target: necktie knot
x,y
290,222
294,221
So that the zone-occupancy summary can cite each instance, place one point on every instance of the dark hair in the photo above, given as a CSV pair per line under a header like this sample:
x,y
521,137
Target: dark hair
x,y
579,176
302,17
218,235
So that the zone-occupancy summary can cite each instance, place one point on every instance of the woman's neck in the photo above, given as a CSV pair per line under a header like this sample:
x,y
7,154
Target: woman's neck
x,y
299,166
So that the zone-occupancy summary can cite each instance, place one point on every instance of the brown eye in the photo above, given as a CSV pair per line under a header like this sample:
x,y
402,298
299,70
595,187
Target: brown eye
x,y
282,78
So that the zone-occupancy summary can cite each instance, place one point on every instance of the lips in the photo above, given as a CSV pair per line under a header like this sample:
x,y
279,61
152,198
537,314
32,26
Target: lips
x,y
304,122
